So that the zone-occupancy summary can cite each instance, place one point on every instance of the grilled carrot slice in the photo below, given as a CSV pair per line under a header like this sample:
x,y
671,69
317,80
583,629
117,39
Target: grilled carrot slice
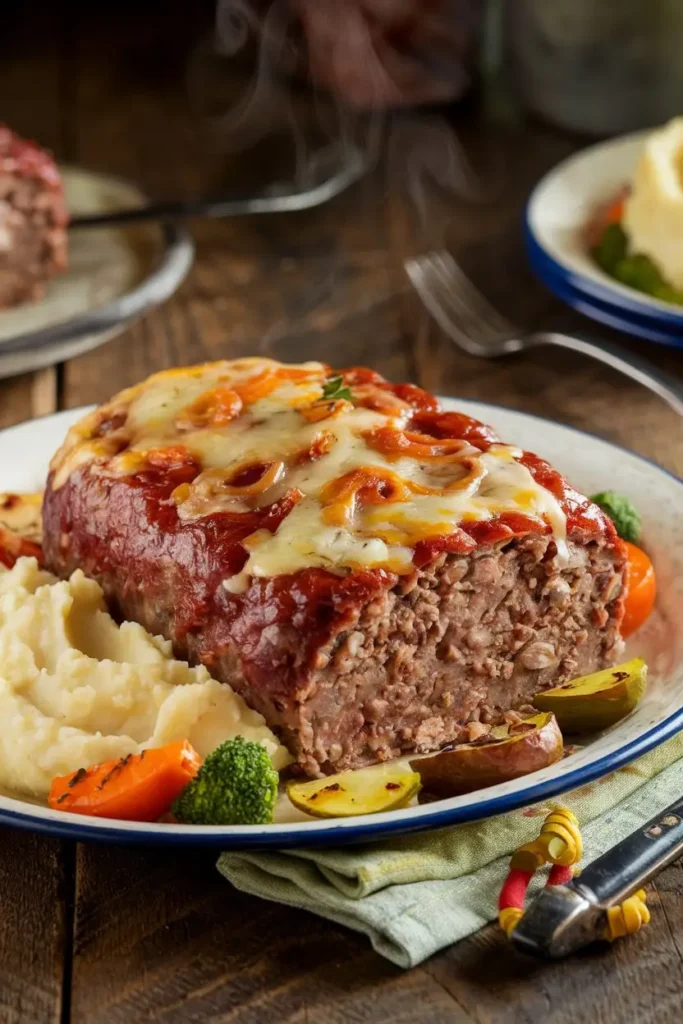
x,y
139,787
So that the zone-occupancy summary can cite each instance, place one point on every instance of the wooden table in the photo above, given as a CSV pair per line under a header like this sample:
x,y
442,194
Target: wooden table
x,y
95,934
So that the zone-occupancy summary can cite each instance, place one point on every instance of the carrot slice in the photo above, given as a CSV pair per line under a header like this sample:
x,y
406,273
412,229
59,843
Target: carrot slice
x,y
139,787
610,213
641,589
614,213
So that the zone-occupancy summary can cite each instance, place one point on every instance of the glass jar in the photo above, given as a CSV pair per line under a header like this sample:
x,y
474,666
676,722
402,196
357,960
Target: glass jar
x,y
596,66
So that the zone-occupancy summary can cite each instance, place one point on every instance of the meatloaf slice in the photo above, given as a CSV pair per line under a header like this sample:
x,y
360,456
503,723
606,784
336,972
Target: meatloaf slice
x,y
350,664
443,655
33,220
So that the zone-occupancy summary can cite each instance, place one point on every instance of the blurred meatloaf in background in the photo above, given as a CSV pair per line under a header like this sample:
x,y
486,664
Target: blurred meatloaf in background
x,y
33,220
372,573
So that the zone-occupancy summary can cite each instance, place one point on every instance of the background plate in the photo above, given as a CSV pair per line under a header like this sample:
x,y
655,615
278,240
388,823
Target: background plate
x,y
556,216
609,313
591,464
114,275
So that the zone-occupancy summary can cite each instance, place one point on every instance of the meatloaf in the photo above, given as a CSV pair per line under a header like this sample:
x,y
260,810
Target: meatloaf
x,y
33,220
373,574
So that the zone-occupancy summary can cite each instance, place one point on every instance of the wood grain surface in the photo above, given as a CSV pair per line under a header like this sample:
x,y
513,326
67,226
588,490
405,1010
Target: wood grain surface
x,y
99,935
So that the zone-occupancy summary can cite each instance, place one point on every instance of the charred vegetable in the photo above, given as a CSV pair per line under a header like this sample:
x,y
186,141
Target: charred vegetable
x,y
365,791
594,702
528,746
139,787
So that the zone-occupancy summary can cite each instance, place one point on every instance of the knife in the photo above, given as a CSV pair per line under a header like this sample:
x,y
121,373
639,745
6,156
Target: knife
x,y
564,918
331,172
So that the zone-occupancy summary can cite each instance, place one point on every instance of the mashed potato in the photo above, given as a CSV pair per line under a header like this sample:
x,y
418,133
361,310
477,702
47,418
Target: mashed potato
x,y
77,689
653,215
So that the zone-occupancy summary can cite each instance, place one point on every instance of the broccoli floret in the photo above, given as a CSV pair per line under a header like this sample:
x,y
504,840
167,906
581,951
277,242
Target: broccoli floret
x,y
634,269
622,513
236,785
611,249
640,272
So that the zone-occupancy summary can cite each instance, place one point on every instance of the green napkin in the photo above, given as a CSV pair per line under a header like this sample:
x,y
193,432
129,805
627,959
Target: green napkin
x,y
414,895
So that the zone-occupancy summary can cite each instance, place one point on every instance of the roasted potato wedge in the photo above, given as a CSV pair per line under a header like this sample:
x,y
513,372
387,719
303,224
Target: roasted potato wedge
x,y
532,744
594,702
365,791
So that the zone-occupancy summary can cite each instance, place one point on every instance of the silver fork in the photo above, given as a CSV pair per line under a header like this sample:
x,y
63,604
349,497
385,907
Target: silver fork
x,y
469,319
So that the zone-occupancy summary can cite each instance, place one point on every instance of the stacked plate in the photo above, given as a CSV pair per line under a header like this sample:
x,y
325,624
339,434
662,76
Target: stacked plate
x,y
115,274
556,219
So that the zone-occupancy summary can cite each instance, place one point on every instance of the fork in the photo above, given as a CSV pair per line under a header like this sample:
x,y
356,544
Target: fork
x,y
469,319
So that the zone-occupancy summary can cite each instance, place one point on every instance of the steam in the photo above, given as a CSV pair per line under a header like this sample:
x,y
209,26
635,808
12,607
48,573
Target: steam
x,y
234,24
421,153
259,109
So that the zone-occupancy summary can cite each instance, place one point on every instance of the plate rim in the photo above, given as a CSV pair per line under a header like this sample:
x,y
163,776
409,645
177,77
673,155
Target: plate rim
x,y
160,284
599,284
610,314
337,832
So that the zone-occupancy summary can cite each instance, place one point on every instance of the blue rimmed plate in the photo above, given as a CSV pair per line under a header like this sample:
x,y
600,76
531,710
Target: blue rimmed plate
x,y
607,313
555,222
592,464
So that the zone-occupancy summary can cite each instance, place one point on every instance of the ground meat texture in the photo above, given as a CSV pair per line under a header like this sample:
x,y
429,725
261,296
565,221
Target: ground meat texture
x,y
33,220
359,668
433,659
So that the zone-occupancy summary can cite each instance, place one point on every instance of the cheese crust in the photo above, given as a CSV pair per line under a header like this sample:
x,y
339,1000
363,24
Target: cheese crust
x,y
370,472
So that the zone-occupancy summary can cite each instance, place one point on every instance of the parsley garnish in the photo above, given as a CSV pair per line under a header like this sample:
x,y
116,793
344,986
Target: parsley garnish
x,y
334,389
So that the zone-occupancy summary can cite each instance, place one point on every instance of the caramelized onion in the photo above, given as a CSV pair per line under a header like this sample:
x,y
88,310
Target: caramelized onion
x,y
267,380
249,480
215,408
396,444
321,444
367,486
325,409
369,396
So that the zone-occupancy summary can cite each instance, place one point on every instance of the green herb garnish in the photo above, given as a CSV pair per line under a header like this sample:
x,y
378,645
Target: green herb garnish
x,y
622,512
334,388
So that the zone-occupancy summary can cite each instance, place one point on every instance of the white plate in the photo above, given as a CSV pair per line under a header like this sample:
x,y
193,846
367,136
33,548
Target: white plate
x,y
592,465
558,212
114,275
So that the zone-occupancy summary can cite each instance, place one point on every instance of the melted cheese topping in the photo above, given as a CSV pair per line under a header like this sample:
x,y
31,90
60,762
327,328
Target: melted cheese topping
x,y
259,429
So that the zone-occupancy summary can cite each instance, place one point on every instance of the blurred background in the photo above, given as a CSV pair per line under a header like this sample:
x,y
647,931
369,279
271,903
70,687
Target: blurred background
x,y
456,109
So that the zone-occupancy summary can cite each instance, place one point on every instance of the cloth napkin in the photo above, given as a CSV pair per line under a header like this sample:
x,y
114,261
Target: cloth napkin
x,y
416,894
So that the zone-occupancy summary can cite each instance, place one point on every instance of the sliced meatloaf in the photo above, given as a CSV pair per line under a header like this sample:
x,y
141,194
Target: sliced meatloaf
x,y
33,220
373,574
